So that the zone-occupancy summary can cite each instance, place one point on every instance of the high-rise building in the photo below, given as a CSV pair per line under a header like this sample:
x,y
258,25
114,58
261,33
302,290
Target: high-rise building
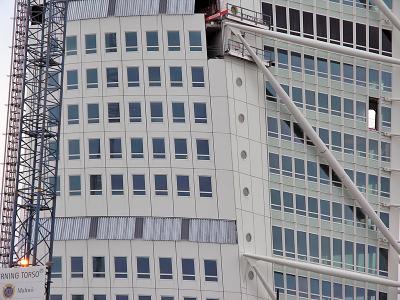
x,y
178,157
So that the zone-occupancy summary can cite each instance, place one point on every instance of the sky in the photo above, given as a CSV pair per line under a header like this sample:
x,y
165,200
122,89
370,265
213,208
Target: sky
x,y
6,27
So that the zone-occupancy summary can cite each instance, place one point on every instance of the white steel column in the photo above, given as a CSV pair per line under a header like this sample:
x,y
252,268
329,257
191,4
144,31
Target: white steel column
x,y
316,44
321,269
387,12
323,150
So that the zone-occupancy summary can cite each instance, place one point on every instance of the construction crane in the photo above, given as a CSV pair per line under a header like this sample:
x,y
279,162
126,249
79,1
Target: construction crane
x,y
28,198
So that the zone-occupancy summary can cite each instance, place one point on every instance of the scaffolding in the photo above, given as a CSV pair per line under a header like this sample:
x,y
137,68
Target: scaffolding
x,y
33,128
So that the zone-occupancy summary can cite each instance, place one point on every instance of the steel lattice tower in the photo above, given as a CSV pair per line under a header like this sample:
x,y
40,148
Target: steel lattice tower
x,y
33,126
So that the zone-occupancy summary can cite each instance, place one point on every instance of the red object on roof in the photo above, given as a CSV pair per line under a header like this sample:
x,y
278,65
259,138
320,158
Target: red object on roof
x,y
217,15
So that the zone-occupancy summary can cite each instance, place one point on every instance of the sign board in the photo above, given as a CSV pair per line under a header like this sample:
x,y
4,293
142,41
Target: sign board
x,y
23,283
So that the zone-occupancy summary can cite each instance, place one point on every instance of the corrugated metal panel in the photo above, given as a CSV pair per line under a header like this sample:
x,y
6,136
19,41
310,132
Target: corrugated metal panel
x,y
87,9
212,231
154,229
162,229
180,7
126,8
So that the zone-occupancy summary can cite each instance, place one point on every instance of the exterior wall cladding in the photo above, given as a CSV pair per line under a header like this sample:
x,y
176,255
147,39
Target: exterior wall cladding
x,y
173,165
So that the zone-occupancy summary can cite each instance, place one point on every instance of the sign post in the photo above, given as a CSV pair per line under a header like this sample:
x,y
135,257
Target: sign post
x,y
23,283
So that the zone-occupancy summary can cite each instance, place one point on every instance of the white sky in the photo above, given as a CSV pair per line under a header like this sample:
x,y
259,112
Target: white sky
x,y
6,12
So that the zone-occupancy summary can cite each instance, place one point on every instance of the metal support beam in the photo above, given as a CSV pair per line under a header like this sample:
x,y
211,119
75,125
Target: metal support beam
x,y
388,13
324,152
267,287
316,44
320,269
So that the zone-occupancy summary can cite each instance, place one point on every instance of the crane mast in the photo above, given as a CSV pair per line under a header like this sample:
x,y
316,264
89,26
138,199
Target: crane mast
x,y
28,198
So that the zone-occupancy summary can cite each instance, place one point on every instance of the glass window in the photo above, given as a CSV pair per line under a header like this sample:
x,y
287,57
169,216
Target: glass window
x,y
313,245
74,185
277,242
314,288
158,148
182,184
73,114
133,76
301,245
374,39
112,77
310,100
180,149
91,79
361,146
72,79
373,149
131,42
154,76
322,64
200,112
175,74
348,107
113,112
93,113
281,21
165,267
99,267
312,171
385,187
326,289
195,41
325,250
73,149
361,181
111,42
144,297
161,185
383,262
337,290
94,149
325,208
120,267
139,185
178,112
321,28
152,40
323,105
297,96
174,43
286,165
188,269
76,267
90,43
336,138
117,185
203,149
301,205
137,148
291,284
99,297
286,130
210,270
337,252
348,33
115,148
348,73
56,269
143,267
272,124
275,196
385,151
77,297
349,255
313,207
71,45
197,77
372,259
296,61
361,111
386,113
294,18
308,24
274,166
135,112
309,65
334,24
335,70
360,257
95,185
299,168
279,282
374,79
283,59
288,202
386,78
289,243
205,186
361,76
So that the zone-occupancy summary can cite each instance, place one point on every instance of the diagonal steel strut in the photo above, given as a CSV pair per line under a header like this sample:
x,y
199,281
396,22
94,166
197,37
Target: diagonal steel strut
x,y
323,150
387,12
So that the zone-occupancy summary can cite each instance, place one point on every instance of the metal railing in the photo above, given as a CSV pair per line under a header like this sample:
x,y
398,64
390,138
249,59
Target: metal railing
x,y
239,48
248,15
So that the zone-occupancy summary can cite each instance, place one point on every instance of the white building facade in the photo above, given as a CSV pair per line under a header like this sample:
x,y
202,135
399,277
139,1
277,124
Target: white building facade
x,y
177,157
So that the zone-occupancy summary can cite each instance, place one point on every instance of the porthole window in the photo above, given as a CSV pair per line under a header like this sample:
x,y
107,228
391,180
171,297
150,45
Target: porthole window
x,y
239,81
241,118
